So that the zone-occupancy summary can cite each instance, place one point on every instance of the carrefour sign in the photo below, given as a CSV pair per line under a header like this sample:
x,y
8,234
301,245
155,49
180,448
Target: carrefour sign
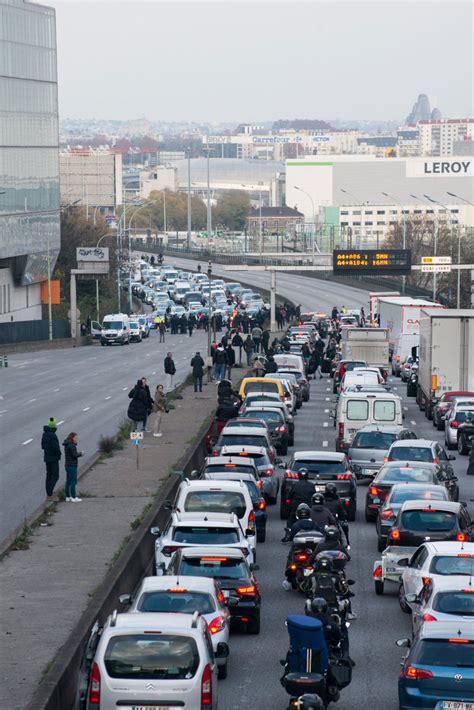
x,y
439,167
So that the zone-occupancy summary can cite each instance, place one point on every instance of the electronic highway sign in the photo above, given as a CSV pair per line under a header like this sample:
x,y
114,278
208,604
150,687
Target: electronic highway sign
x,y
372,261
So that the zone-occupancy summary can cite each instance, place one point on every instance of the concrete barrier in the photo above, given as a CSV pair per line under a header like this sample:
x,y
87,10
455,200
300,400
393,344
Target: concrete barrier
x,y
57,344
58,690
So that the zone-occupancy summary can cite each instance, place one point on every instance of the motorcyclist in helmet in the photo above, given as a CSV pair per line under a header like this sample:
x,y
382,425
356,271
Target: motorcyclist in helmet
x,y
303,522
321,515
300,491
336,506
332,541
309,701
333,632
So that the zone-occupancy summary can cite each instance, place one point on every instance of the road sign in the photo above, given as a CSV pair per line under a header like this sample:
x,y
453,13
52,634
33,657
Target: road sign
x,y
136,435
436,260
372,261
435,268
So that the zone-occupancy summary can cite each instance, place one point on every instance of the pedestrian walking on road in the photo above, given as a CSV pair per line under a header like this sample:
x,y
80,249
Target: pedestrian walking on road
x,y
71,462
197,363
162,331
160,405
237,342
170,371
52,456
229,351
138,407
248,347
220,363
257,337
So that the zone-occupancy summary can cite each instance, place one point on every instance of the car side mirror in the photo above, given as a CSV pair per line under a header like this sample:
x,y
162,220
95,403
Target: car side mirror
x,y
254,567
155,531
451,457
125,599
403,562
463,503
403,643
167,505
194,474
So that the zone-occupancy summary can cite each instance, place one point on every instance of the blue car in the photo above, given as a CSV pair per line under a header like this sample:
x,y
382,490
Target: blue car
x,y
438,671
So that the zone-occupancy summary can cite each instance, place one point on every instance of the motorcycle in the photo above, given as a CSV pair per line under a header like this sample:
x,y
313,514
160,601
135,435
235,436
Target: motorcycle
x,y
412,384
302,547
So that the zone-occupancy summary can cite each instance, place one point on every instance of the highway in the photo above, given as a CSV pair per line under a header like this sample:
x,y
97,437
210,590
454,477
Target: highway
x,y
86,390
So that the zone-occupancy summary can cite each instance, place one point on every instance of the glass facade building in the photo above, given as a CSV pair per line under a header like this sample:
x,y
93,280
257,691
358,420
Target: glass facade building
x,y
29,154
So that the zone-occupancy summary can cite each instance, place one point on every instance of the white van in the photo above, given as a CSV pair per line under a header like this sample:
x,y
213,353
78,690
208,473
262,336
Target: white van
x,y
402,350
289,361
115,329
362,378
181,288
358,409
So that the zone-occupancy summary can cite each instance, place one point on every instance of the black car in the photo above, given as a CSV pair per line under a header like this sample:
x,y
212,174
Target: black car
x,y
422,521
322,466
399,472
276,423
250,403
235,576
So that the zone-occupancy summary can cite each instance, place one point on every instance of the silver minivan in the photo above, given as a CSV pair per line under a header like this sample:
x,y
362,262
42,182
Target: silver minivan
x,y
153,660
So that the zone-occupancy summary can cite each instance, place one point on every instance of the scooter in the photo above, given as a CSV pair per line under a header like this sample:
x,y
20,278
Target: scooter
x,y
302,547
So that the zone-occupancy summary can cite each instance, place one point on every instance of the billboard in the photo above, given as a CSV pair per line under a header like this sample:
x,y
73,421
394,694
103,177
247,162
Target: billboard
x,y
372,261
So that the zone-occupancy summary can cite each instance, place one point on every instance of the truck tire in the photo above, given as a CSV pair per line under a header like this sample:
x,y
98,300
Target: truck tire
x,y
378,587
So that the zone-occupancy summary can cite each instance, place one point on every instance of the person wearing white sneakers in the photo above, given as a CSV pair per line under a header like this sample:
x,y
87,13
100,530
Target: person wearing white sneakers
x,y
72,456
160,405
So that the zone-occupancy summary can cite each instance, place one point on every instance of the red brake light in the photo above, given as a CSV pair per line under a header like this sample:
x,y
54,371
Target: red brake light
x,y
388,514
215,452
458,641
343,476
169,549
302,557
177,590
435,460
373,491
386,459
461,537
246,590
217,624
269,472
429,617
262,505
252,520
417,673
426,581
341,430
378,572
454,424
395,534
288,501
206,686
94,688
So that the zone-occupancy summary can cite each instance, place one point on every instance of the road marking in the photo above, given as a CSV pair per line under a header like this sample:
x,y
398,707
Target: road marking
x,y
109,397
153,373
395,388
3,411
86,409
76,382
32,400
326,411
412,422
328,389
325,424
406,409
327,399
28,441
325,443
124,388
58,388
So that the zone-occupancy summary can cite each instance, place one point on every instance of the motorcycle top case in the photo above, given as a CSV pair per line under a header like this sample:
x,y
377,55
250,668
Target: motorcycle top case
x,y
306,634
300,683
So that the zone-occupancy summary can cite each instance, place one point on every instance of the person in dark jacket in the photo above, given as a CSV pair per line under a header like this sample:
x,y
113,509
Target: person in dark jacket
x,y
52,456
265,340
220,363
197,363
170,371
237,342
271,365
248,347
71,462
138,407
229,351
320,514
226,409
470,468
149,402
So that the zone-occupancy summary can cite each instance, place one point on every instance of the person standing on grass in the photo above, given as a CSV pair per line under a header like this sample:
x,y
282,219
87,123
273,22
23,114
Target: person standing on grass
x,y
52,456
197,363
160,405
170,371
71,455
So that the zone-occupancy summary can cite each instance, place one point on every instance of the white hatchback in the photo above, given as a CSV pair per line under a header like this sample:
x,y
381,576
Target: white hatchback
x,y
433,559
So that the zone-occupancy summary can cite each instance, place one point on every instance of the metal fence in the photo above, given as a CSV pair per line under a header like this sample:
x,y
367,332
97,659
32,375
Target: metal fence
x,y
28,331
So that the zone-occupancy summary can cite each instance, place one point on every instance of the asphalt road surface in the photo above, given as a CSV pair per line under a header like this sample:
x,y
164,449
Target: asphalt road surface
x,y
86,390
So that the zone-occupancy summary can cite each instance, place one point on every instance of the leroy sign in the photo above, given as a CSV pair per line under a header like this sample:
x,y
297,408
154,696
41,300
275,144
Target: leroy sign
x,y
439,168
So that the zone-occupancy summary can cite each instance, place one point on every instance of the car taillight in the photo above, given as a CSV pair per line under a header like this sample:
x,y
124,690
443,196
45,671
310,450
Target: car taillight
x,y
262,505
429,617
288,501
246,591
206,686
341,430
283,429
426,581
215,452
386,459
454,424
252,520
259,485
217,624
290,474
387,514
268,472
343,476
373,491
395,534
417,673
435,460
377,572
94,688
461,537
169,549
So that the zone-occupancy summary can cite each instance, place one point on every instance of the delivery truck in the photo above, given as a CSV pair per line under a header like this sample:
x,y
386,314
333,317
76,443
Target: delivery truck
x,y
367,344
446,354
401,315
374,297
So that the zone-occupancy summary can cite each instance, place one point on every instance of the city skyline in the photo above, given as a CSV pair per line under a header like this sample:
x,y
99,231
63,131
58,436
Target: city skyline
x,y
241,62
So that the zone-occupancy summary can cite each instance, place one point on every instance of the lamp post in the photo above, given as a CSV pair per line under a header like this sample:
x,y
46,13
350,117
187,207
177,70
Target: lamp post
x,y
458,285
188,238
357,203
404,218
435,238
209,342
97,283
313,231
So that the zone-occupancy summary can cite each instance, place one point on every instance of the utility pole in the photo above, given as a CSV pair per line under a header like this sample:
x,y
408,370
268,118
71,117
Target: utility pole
x,y
189,200
209,342
260,222
209,213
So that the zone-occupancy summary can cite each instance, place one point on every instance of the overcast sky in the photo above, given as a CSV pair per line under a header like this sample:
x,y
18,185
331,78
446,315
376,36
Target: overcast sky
x,y
262,60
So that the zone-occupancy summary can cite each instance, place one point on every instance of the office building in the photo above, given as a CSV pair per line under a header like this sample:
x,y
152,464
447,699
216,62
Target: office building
x,y
29,187
91,178
438,137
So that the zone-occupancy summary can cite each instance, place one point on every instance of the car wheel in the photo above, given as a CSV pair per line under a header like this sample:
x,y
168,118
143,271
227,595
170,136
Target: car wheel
x,y
450,446
261,535
369,517
403,605
378,587
381,544
222,671
462,445
253,626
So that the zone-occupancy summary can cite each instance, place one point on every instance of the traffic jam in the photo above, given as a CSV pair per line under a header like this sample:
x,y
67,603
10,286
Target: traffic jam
x,y
315,467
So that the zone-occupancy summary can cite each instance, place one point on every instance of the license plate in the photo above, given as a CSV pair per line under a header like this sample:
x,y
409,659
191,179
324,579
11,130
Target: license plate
x,y
391,569
149,707
226,593
320,489
454,705
368,471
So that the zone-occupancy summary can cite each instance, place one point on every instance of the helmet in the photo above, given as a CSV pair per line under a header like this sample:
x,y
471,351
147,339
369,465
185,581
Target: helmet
x,y
332,534
303,474
331,490
317,499
319,605
323,563
303,511
309,701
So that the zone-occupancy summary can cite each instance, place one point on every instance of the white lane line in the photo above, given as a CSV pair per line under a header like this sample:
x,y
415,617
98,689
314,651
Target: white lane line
x,y
32,400
61,422
58,388
328,389
76,382
108,397
325,443
124,388
326,411
153,373
86,409
395,388
325,424
148,354
3,411
406,409
412,422
326,399
28,441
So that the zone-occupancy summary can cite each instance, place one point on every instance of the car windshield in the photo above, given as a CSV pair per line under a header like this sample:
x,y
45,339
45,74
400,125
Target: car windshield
x,y
408,493
215,502
441,652
260,459
261,387
206,535
459,602
238,439
411,453
462,563
216,567
228,467
113,325
465,415
400,474
155,656
373,440
133,325
319,466
176,601
429,520
270,417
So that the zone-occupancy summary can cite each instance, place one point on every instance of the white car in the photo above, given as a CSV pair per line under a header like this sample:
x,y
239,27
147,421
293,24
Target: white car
x,y
185,595
130,649
461,411
198,529
442,599
135,331
436,559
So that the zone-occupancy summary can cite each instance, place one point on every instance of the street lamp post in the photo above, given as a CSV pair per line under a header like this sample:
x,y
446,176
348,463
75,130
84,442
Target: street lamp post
x,y
209,342
435,240
313,230
358,203
404,218
458,286
189,201
97,284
